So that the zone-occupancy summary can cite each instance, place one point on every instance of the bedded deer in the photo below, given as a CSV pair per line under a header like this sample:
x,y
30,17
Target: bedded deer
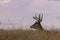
x,y
37,24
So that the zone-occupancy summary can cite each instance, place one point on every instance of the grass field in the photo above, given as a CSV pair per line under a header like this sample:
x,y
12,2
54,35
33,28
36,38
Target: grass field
x,y
28,35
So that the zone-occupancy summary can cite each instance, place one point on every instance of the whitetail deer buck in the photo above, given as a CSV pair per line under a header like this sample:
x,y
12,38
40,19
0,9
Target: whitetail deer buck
x,y
37,24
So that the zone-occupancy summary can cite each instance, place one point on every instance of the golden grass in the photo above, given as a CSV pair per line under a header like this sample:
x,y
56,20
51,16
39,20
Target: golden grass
x,y
28,35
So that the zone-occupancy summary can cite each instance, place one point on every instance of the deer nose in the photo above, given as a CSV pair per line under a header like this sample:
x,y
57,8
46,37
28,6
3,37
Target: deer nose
x,y
31,26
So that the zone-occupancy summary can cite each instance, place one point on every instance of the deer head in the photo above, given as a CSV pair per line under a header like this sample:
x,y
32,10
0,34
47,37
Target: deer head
x,y
37,24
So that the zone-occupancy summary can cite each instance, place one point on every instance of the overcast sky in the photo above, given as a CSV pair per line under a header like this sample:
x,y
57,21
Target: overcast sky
x,y
23,10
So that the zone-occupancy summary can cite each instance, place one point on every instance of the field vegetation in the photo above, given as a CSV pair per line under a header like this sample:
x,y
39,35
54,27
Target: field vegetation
x,y
29,35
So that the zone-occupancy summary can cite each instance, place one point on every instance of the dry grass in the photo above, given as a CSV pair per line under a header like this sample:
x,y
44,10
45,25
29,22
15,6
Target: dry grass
x,y
28,35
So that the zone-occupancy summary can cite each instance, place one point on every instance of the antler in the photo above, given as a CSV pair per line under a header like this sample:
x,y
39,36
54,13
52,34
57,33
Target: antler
x,y
35,17
40,17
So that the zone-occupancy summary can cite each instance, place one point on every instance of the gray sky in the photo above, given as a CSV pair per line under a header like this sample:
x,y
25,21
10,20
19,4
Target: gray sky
x,y
23,10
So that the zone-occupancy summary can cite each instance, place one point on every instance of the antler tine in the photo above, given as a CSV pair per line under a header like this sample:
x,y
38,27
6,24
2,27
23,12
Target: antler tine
x,y
40,17
35,17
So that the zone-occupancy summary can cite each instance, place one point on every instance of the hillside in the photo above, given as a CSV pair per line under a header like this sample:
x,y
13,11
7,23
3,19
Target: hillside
x,y
28,35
